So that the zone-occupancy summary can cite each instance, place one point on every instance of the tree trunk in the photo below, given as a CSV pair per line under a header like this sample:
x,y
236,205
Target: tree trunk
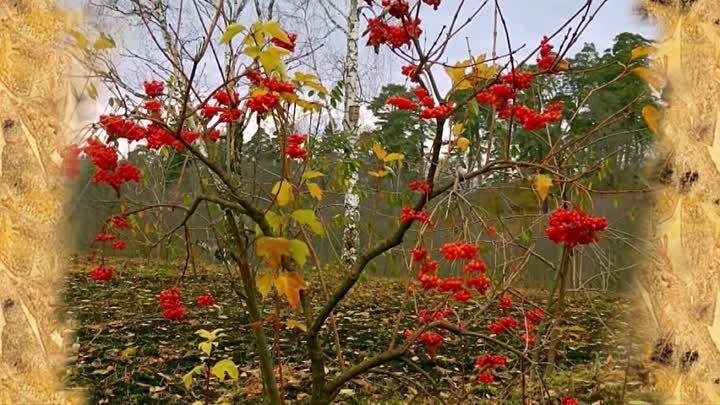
x,y
351,238
683,281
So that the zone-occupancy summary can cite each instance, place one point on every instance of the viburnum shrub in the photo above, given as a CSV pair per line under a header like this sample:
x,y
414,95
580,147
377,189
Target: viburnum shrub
x,y
272,232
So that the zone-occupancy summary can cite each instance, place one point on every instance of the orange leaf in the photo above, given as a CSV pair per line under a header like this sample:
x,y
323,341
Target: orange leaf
x,y
289,285
272,250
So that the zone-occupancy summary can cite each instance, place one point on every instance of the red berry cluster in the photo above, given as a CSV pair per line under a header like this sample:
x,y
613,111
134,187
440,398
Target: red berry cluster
x,y
502,96
424,97
117,127
485,364
503,325
402,103
290,46
568,400
439,112
460,288
294,149
101,273
103,157
153,106
430,339
530,119
395,36
532,317
546,60
505,302
262,103
434,3
459,251
408,215
412,73
396,8
574,227
120,222
171,304
124,173
225,107
154,88
206,300
420,186
518,80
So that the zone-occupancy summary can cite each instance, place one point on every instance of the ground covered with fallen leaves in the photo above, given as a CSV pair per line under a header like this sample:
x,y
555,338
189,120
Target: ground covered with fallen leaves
x,y
127,353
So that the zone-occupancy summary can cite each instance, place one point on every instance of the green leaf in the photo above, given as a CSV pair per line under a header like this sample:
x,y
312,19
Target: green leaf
x,y
307,217
230,32
274,220
225,366
299,251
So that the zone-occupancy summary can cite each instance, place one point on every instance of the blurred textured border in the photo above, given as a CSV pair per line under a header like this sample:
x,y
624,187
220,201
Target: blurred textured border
x,y
681,285
36,105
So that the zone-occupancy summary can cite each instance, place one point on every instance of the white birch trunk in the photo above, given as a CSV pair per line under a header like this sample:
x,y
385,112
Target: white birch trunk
x,y
351,238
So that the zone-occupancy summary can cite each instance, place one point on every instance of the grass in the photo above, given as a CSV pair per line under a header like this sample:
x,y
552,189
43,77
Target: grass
x,y
123,314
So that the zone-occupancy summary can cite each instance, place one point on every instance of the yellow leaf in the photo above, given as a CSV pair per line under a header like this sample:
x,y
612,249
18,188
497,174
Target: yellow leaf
x,y
80,38
264,284
299,251
650,115
289,284
542,185
650,77
92,91
391,157
256,37
615,202
379,174
271,59
463,143
379,151
284,192
272,250
274,30
225,366
311,174
129,352
291,98
458,75
252,51
293,324
305,77
307,217
230,32
458,129
317,87
481,70
641,51
315,191
104,42
307,105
